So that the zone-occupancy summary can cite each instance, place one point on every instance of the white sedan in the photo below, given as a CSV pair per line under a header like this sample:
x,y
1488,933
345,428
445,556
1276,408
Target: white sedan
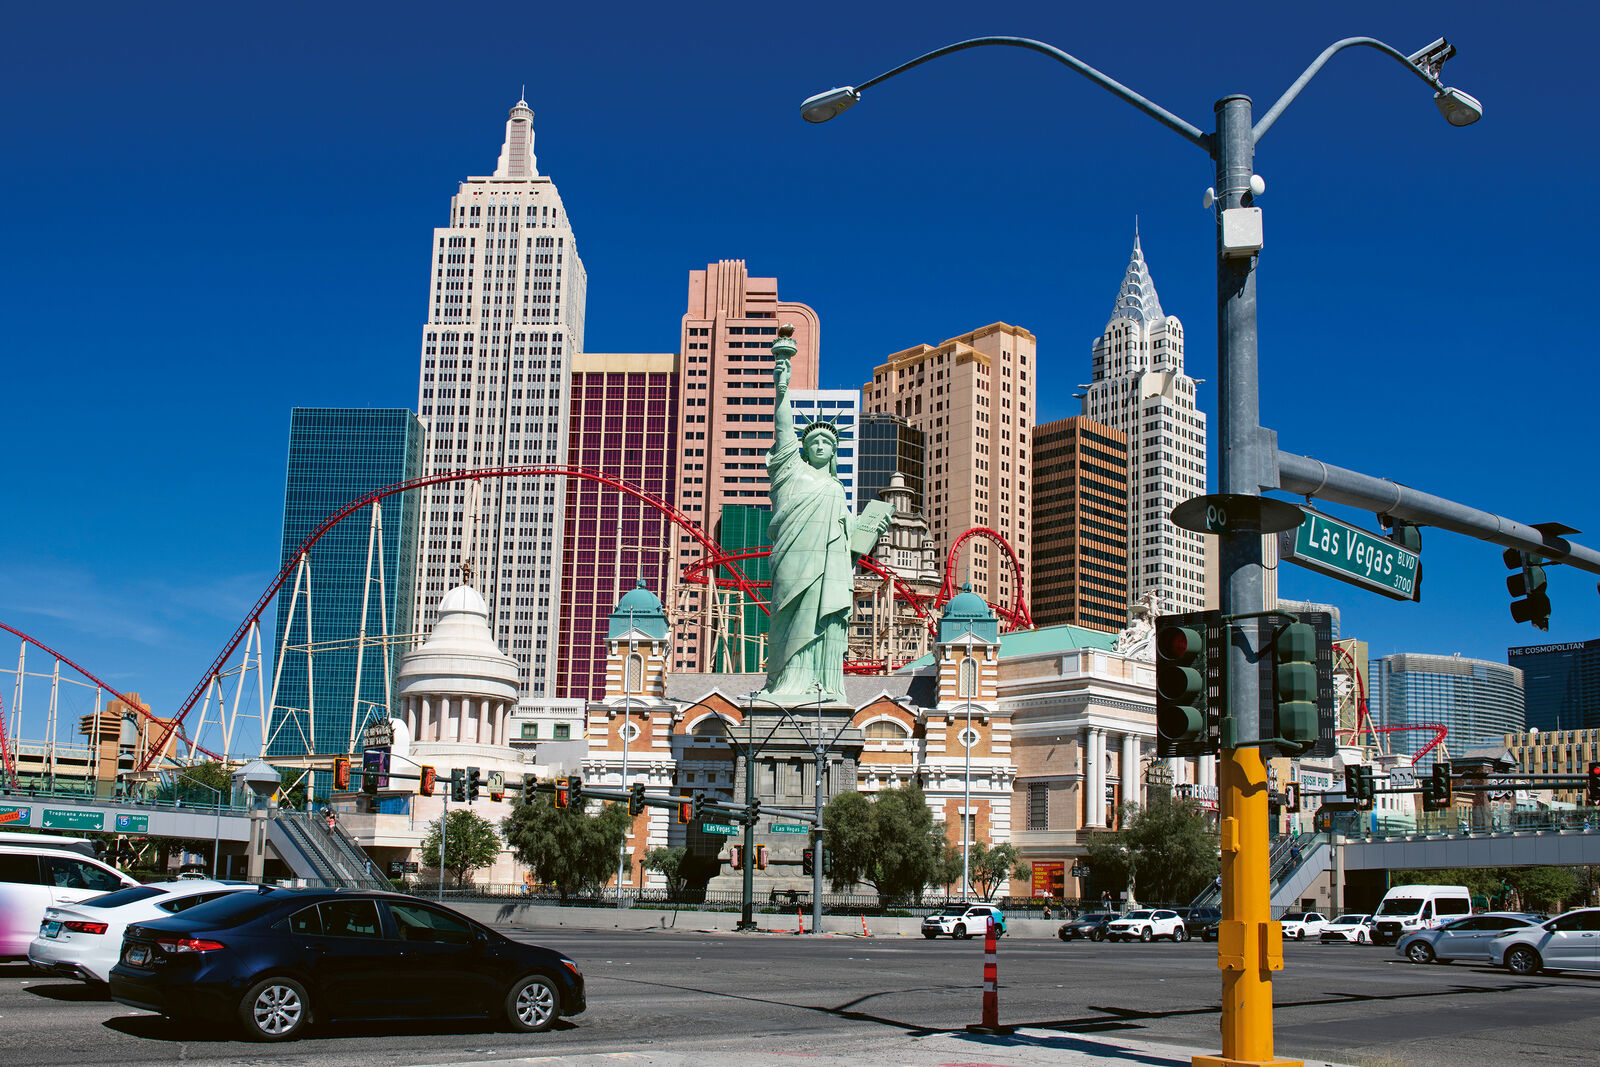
x,y
1147,925
84,940
1299,925
1354,929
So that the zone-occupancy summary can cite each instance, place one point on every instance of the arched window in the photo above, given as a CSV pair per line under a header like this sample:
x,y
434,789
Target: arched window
x,y
885,730
967,683
633,675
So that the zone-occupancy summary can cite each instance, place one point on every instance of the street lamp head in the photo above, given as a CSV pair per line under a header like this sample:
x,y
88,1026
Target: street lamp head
x,y
1457,107
824,106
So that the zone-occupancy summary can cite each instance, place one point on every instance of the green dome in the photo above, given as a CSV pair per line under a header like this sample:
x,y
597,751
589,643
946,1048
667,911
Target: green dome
x,y
968,612
639,609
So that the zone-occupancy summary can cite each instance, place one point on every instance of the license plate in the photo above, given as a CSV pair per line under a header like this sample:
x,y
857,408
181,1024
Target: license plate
x,y
50,929
138,955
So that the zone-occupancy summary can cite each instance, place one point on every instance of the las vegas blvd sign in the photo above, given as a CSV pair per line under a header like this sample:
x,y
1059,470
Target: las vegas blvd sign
x,y
1342,551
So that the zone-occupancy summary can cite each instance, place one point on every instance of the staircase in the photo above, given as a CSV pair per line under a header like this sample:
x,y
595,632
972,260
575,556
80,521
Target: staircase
x,y
1289,878
320,853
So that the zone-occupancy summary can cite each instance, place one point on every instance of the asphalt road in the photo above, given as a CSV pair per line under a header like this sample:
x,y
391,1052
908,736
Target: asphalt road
x,y
681,992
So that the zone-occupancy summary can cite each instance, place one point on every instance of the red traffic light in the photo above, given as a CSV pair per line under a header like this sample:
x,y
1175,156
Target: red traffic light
x,y
425,780
685,810
1173,642
341,774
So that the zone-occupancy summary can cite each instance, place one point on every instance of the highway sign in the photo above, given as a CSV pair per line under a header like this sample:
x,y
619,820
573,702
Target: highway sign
x,y
789,828
133,824
73,819
719,828
1353,555
16,815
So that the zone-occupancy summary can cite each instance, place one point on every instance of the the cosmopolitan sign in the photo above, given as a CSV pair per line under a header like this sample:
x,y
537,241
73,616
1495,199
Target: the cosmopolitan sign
x,y
1342,551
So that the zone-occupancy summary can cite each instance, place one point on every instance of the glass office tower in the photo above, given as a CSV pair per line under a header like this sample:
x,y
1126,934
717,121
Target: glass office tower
x,y
1562,683
336,456
1478,701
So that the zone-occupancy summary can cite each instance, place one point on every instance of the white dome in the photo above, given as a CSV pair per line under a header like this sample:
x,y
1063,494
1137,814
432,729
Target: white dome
x,y
460,657
463,599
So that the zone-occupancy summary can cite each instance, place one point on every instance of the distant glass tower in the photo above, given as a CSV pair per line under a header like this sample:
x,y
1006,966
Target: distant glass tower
x,y
841,407
337,455
1562,683
887,444
1478,701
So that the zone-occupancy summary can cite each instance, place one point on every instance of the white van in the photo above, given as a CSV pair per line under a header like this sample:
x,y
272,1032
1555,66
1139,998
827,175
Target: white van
x,y
1409,908
33,878
81,845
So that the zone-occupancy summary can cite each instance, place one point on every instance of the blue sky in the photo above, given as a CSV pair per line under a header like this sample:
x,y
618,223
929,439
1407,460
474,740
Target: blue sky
x,y
220,212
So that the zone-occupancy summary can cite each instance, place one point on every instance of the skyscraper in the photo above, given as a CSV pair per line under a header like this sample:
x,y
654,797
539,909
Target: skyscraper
x,y
1562,683
1478,701
1080,515
1139,388
725,422
505,320
886,445
973,397
337,455
624,417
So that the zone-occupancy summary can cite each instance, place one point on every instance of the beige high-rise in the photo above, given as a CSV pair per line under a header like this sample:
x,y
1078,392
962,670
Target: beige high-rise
x,y
975,398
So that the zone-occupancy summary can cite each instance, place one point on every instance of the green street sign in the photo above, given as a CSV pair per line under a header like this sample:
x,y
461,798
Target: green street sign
x,y
133,824
719,828
1353,555
73,819
13,816
789,828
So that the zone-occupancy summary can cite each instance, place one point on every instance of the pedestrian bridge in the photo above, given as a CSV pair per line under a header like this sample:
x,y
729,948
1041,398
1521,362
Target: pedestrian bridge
x,y
1503,848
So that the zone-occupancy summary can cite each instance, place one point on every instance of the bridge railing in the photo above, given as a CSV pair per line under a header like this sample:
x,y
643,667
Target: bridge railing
x,y
1470,821
196,799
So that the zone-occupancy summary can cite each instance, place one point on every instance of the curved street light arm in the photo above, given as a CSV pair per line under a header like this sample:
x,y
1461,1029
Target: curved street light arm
x,y
1188,132
1311,72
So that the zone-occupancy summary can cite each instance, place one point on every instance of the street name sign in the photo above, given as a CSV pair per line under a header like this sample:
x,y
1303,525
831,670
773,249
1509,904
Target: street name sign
x,y
1353,555
719,828
73,819
789,828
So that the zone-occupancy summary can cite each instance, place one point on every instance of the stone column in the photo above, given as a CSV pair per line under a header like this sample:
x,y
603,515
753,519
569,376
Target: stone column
x,y
453,710
1132,783
1097,777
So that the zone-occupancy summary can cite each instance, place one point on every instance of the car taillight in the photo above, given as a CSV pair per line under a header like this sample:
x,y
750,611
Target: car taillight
x,y
173,945
84,928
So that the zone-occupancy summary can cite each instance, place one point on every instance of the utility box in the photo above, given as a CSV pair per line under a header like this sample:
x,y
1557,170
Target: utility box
x,y
1241,231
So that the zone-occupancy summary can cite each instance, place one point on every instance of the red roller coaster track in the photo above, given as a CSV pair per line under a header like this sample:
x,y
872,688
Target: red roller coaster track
x,y
1363,716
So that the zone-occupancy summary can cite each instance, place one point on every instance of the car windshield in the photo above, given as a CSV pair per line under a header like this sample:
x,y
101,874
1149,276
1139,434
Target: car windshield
x,y
1294,917
1400,906
122,896
1137,914
1097,916
1348,920
235,909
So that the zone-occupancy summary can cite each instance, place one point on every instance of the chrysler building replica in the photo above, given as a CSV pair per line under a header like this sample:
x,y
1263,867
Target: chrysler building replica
x,y
505,319
1139,388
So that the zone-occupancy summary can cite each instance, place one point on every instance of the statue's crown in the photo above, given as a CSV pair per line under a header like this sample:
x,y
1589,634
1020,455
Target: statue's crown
x,y
820,425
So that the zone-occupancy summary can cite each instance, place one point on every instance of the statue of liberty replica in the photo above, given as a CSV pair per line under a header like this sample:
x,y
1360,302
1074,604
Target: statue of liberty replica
x,y
815,543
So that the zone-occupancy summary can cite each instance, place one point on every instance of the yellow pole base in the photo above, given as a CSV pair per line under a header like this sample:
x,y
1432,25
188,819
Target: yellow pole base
x,y
1223,1061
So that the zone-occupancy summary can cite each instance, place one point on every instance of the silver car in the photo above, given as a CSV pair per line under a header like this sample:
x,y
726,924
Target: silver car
x,y
1472,938
1569,942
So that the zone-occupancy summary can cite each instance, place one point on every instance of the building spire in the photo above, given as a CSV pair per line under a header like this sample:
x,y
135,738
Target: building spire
x,y
1137,299
516,154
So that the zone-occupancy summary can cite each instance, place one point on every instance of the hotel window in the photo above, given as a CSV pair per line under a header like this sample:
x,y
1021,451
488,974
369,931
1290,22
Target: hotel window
x,y
1038,806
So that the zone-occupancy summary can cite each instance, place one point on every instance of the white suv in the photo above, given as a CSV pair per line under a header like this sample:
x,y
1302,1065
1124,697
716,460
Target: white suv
x,y
1147,925
964,921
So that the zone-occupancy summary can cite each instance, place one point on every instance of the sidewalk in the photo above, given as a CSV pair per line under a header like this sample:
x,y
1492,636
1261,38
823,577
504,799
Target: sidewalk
x,y
1025,1048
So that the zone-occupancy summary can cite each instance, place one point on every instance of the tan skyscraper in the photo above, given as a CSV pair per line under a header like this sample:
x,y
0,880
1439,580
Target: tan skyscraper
x,y
725,404
974,398
1140,389
1080,514
505,319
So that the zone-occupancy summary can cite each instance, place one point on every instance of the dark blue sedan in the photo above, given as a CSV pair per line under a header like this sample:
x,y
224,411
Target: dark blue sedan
x,y
279,959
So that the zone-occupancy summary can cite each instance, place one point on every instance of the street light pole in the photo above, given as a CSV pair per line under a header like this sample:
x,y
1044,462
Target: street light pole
x,y
966,784
216,830
819,753
627,724
1250,946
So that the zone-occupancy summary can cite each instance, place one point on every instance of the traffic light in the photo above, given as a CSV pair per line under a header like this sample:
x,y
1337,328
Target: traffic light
x,y
698,805
575,791
808,862
474,783
685,810
370,763
563,796
341,774
458,786
827,863
1294,686
755,811
1359,784
636,798
1530,602
427,778
530,786
736,857
1182,692
761,857
1436,794
1594,783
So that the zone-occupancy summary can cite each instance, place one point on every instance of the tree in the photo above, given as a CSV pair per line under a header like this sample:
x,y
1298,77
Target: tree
x,y
668,862
890,842
1165,848
567,847
991,867
471,843
1543,888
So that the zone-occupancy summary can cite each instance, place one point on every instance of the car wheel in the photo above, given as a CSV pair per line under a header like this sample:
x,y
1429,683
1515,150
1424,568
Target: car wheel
x,y
533,1005
1300,935
1419,952
962,932
1097,935
1182,934
1523,960
1145,934
1362,938
275,1009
